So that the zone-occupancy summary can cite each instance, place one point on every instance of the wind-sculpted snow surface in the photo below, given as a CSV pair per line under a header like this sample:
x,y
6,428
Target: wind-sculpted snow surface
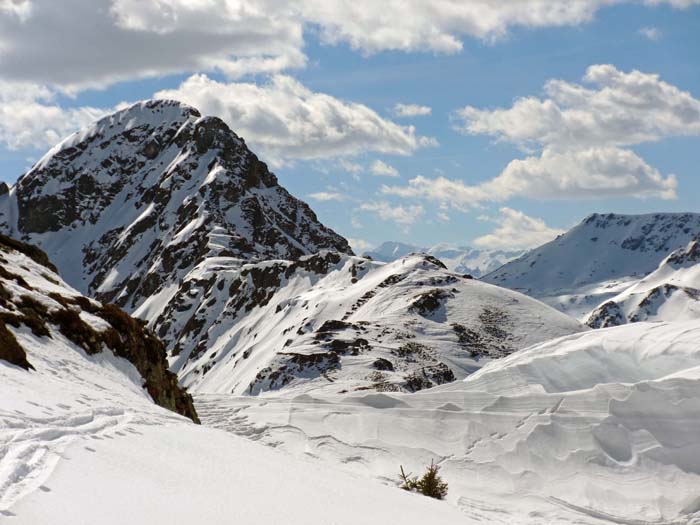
x,y
670,293
338,323
592,428
128,206
598,259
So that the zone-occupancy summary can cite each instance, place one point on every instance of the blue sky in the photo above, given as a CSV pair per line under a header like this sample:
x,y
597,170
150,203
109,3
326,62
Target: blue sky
x,y
616,157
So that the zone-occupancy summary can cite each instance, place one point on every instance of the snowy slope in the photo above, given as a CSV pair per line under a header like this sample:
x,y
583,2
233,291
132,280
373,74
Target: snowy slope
x,y
44,320
342,323
128,206
81,442
149,471
598,259
599,427
458,259
670,293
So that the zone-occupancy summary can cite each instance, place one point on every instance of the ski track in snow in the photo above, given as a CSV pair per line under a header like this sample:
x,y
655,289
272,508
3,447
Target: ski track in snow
x,y
30,447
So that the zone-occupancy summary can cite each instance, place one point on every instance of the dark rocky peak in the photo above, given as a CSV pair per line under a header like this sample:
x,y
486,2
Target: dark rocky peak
x,y
132,203
684,257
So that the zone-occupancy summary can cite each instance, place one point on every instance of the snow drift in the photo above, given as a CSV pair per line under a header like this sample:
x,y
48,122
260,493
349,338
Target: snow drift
x,y
596,427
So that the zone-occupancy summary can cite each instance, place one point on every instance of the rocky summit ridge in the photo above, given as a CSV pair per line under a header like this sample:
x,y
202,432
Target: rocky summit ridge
x,y
126,207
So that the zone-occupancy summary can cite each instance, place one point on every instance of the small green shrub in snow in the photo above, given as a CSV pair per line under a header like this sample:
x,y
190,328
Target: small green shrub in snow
x,y
431,484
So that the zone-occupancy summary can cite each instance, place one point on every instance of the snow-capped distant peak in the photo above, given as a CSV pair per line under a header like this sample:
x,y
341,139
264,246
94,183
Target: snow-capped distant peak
x,y
670,293
459,259
392,250
597,259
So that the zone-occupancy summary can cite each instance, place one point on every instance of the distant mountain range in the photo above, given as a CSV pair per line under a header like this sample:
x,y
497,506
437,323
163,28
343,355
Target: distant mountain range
x,y
459,259
597,260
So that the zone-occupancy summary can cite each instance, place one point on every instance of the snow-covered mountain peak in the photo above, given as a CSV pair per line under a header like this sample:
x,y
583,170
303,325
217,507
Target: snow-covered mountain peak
x,y
670,293
459,259
597,259
150,118
129,205
343,323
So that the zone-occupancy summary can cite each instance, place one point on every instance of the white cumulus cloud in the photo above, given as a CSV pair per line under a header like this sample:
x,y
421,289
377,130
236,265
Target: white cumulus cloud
x,y
401,215
411,110
285,120
440,25
650,33
580,174
30,117
74,44
581,132
612,108
327,196
359,245
382,169
515,230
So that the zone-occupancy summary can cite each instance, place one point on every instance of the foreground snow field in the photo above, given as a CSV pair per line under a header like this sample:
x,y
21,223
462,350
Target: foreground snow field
x,y
81,443
180,473
598,427
595,427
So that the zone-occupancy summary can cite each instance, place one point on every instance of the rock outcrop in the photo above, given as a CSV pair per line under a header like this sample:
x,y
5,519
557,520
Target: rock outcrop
x,y
33,297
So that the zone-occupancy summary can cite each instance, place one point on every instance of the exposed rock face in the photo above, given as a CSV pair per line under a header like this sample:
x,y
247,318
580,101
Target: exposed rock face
x,y
128,206
33,297
342,323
